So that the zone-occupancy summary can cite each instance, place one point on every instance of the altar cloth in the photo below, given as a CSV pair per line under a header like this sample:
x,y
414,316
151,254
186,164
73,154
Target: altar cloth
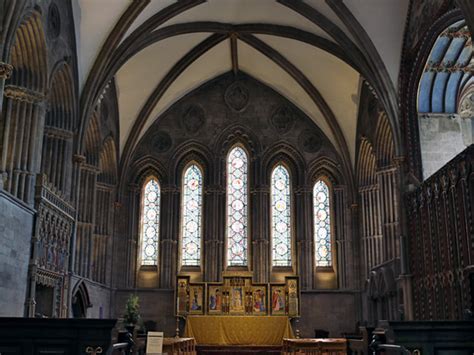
x,y
238,330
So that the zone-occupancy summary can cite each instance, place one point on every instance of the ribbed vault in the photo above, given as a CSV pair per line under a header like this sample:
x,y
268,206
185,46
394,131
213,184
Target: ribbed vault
x,y
312,52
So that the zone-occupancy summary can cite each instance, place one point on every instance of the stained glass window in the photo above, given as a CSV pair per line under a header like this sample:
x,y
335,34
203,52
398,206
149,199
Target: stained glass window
x,y
150,228
322,224
281,216
191,220
237,202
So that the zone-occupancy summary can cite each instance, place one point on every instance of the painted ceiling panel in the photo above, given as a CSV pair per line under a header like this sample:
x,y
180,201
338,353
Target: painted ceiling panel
x,y
212,64
337,82
137,79
94,20
247,11
384,22
260,67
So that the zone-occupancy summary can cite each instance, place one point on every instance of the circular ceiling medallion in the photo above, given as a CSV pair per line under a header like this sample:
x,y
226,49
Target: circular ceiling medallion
x,y
309,141
282,119
193,119
54,21
237,96
161,142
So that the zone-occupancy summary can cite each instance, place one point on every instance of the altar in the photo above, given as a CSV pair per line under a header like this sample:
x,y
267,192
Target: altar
x,y
238,330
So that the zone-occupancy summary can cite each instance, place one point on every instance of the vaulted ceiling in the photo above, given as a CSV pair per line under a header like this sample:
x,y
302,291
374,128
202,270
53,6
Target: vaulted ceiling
x,y
313,52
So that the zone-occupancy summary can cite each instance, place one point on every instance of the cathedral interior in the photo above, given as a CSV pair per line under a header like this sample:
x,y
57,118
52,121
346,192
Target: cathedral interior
x,y
309,160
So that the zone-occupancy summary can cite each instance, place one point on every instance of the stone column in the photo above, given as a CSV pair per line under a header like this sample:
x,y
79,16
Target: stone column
x,y
304,235
261,253
213,232
5,73
342,248
170,212
133,237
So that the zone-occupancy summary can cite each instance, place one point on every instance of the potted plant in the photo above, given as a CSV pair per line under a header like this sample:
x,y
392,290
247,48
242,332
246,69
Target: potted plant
x,y
132,315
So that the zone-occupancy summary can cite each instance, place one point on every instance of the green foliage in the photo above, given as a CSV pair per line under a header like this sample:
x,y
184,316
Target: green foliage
x,y
132,313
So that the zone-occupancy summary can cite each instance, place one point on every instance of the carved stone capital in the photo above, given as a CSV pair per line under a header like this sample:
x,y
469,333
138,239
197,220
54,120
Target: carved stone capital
x,y
19,93
5,70
78,159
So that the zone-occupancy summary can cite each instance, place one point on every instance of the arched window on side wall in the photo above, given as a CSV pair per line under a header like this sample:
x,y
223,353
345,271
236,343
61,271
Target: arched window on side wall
x,y
191,220
150,221
237,207
322,224
281,216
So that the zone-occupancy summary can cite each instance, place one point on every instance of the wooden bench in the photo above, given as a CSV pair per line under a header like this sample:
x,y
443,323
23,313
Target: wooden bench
x,y
314,346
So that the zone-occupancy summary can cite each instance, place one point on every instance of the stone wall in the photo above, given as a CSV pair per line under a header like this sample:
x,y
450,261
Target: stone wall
x,y
442,137
16,229
332,311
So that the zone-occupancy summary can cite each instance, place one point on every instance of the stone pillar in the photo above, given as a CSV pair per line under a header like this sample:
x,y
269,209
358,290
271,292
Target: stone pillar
x,y
5,73
304,235
170,212
343,251
133,237
261,253
213,232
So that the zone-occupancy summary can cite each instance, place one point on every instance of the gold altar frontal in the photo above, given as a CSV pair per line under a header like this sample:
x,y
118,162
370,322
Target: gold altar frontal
x,y
238,330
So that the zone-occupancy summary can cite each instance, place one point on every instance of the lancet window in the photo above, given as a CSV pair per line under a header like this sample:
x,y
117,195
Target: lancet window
x,y
237,207
191,222
281,216
322,224
150,222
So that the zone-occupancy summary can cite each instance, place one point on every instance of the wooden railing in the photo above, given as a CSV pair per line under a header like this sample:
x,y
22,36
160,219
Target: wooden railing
x,y
179,346
330,346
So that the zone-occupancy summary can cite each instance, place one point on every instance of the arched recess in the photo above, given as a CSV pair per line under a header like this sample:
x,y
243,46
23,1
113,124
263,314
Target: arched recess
x,y
80,300
105,191
421,68
290,158
187,152
338,275
445,129
130,192
371,231
22,117
59,130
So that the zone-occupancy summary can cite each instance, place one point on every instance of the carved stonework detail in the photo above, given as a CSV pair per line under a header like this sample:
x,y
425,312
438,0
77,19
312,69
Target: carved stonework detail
x,y
282,119
5,70
19,93
54,21
237,96
193,119
309,141
466,107
161,142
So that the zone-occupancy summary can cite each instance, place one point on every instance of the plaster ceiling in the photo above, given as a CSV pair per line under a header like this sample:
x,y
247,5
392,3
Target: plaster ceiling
x,y
336,80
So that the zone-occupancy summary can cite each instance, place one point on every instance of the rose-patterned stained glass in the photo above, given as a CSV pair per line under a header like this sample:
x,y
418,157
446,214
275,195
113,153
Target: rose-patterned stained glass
x,y
322,224
192,215
281,216
237,202
150,228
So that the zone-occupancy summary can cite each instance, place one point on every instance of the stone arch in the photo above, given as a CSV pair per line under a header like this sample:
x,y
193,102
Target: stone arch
x,y
23,108
80,301
184,154
384,145
291,159
60,127
108,162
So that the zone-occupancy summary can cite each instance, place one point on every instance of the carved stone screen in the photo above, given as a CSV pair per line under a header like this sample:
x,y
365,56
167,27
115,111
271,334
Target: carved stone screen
x,y
237,207
322,224
191,228
281,216
150,227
